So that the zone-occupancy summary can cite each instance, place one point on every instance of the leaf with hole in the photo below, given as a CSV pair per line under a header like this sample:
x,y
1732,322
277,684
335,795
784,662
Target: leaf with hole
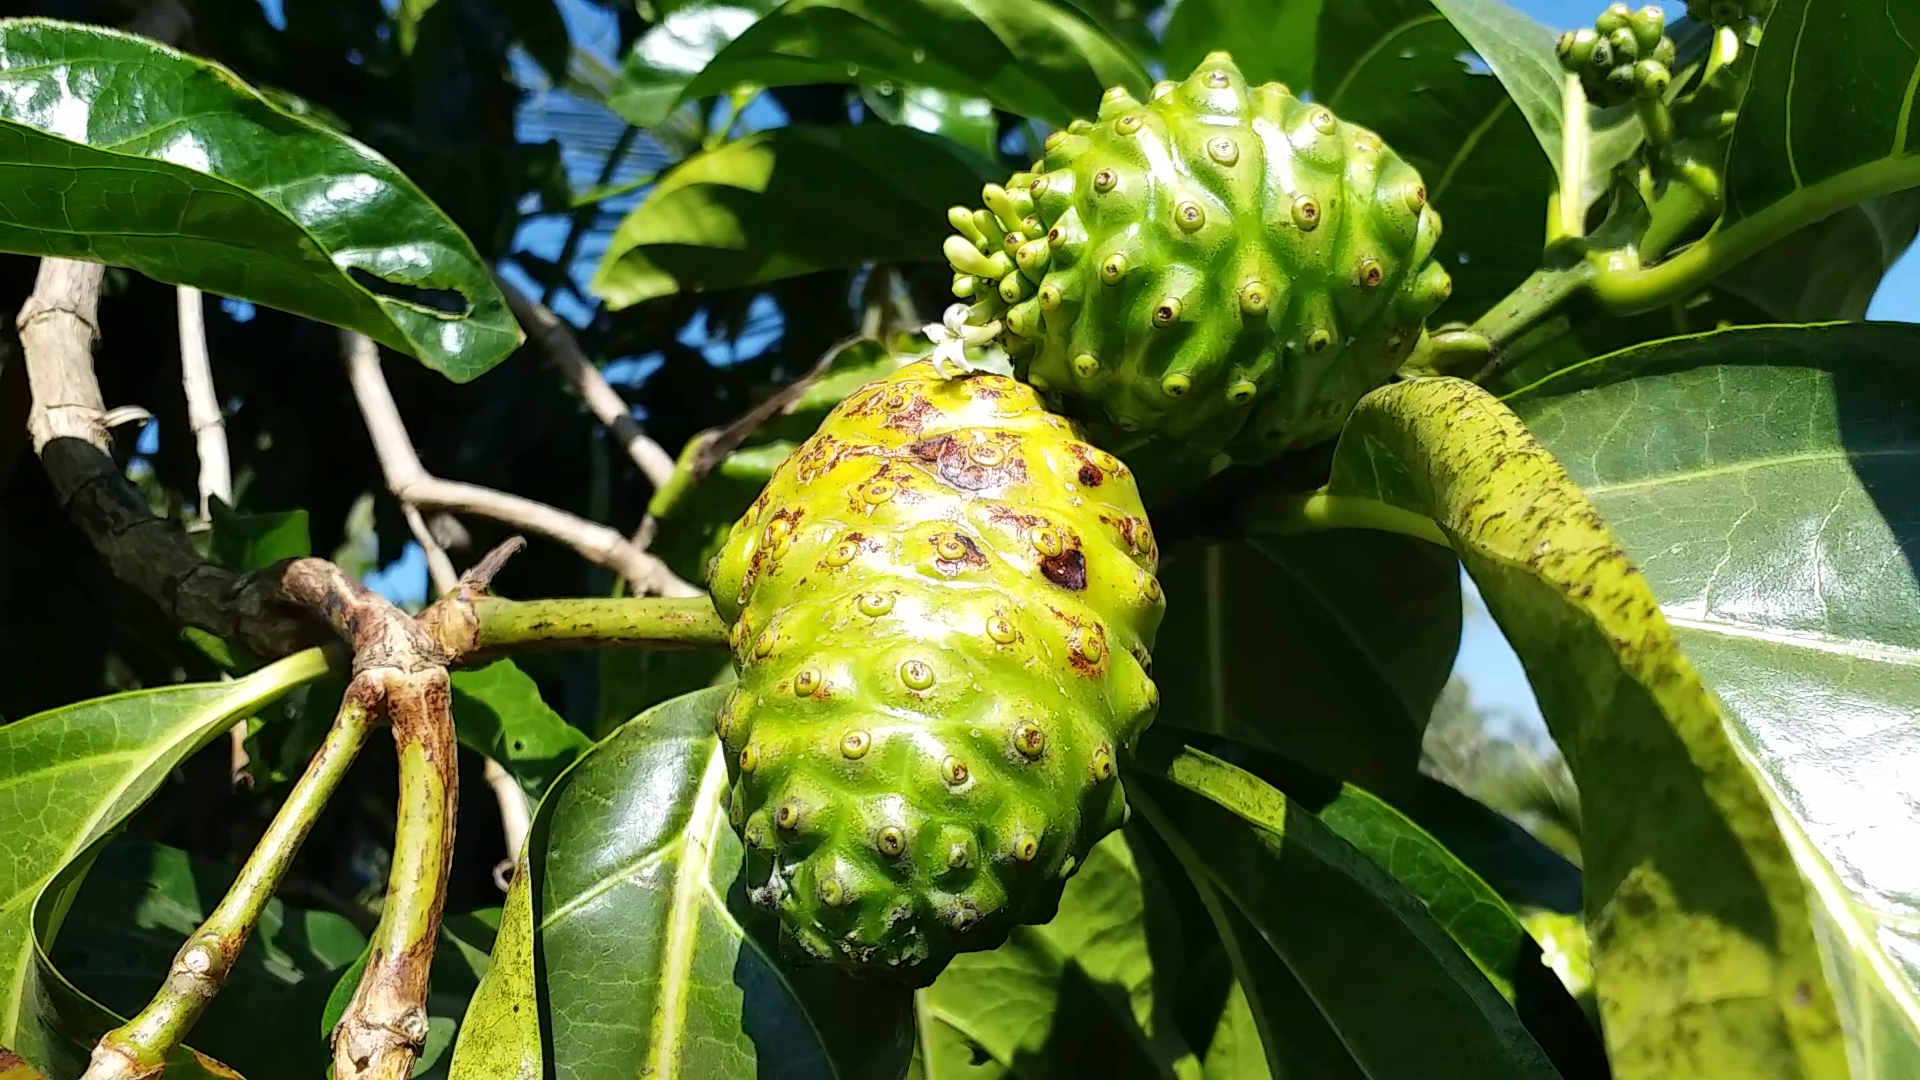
x,y
117,149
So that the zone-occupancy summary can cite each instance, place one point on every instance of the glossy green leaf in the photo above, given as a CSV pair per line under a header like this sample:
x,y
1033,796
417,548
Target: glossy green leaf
x,y
1524,871
1315,927
68,779
499,1038
1371,630
1766,493
1521,53
1830,109
752,211
498,711
1701,926
1042,60
1269,39
120,150
970,122
1098,978
139,903
653,961
246,542
1398,67
673,51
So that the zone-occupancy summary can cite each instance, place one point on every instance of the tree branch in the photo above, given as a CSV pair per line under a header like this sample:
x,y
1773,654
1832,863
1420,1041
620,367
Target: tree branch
x,y
401,672
555,338
203,404
58,326
138,1049
410,482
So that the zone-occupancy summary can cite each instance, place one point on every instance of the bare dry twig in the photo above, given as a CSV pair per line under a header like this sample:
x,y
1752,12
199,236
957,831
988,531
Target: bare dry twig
x,y
554,338
410,482
516,815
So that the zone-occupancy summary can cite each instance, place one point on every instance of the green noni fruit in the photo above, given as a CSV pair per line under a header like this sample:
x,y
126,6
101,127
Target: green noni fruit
x,y
1225,266
940,609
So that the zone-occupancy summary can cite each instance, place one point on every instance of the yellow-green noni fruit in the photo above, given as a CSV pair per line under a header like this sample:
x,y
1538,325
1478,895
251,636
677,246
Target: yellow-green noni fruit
x,y
1226,266
941,609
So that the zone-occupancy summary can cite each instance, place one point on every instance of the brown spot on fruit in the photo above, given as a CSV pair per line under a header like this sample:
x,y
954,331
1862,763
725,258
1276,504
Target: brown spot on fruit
x,y
1090,476
1067,569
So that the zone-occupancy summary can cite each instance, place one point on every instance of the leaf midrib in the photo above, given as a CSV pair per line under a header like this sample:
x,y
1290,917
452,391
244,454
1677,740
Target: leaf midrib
x,y
1806,457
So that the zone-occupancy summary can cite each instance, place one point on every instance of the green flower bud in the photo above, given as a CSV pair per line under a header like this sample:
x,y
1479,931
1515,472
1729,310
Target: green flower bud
x,y
1614,18
1649,26
1626,47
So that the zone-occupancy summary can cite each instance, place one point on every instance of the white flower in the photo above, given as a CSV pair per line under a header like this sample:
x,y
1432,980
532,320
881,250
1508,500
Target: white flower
x,y
952,337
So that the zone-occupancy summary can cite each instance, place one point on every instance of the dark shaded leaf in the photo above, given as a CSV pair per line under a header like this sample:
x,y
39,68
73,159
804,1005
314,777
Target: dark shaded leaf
x,y
1328,648
137,907
1398,67
1348,973
1042,60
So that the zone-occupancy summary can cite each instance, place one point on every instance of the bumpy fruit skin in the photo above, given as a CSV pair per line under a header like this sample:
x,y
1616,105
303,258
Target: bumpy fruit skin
x,y
1226,266
941,609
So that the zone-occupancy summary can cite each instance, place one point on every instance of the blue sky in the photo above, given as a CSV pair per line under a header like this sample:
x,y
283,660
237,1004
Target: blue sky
x,y
1485,662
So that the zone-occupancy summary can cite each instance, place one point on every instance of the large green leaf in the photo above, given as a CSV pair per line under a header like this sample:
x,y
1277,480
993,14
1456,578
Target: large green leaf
x,y
498,711
1349,973
1269,39
673,51
138,906
1767,492
652,961
1701,928
68,779
1830,108
1034,58
1328,648
120,150
787,202
1398,67
1095,984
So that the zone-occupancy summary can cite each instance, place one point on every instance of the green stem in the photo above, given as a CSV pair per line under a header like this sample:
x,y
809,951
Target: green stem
x,y
385,1024
653,622
1624,290
141,1046
1319,512
1567,217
